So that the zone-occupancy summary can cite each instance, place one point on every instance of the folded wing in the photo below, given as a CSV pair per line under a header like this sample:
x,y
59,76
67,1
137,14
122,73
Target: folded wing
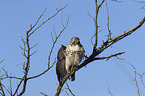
x,y
60,65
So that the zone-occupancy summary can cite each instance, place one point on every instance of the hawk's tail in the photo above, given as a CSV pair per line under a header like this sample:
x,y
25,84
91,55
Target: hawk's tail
x,y
73,77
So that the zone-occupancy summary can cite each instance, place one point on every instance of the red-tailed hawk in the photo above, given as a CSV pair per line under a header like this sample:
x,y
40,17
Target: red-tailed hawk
x,y
68,57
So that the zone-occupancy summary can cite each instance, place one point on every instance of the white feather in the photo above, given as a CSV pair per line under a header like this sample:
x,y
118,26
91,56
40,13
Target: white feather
x,y
74,55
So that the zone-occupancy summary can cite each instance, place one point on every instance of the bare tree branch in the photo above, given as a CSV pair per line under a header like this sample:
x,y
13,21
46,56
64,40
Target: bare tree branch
x,y
43,94
96,22
13,77
49,67
27,54
27,65
109,35
91,16
138,1
46,20
109,91
43,71
142,80
16,91
69,89
135,78
31,27
143,7
108,43
143,2
108,57
10,87
96,52
116,0
2,61
1,88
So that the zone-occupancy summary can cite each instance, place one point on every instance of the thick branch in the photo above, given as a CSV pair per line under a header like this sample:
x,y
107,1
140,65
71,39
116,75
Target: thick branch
x,y
96,52
108,43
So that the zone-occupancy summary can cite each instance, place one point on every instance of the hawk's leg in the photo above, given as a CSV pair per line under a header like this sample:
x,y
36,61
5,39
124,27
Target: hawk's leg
x,y
72,68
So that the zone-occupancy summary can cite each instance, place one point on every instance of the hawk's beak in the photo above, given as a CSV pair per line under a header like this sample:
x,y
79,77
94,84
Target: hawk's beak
x,y
77,42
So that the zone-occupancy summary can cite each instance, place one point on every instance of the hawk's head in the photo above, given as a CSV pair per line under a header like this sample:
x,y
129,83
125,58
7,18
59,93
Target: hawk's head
x,y
74,41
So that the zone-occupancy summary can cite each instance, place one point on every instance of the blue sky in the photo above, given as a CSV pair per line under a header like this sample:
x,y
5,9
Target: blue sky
x,y
16,17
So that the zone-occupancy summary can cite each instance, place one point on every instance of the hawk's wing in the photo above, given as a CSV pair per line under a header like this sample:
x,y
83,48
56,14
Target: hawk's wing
x,y
60,65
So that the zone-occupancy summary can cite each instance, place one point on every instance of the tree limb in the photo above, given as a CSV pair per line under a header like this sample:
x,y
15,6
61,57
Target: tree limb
x,y
96,52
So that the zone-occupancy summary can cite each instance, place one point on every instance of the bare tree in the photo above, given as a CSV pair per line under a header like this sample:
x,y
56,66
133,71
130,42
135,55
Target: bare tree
x,y
96,51
27,48
28,54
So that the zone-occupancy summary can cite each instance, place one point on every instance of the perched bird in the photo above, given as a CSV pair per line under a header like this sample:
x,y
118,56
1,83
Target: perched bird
x,y
68,57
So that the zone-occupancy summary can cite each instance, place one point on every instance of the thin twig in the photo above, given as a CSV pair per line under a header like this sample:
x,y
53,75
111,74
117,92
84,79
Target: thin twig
x,y
96,22
69,89
31,27
43,94
135,78
142,80
108,57
5,89
47,20
1,87
91,16
109,35
11,90
116,0
109,91
138,1
2,61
